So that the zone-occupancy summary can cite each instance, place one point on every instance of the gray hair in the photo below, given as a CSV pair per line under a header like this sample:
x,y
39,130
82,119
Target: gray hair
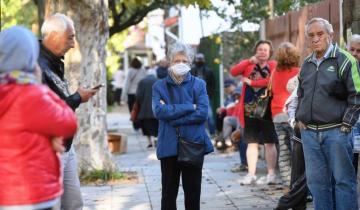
x,y
180,48
57,22
354,38
327,26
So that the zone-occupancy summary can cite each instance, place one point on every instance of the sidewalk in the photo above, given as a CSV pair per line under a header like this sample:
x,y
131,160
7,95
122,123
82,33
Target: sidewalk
x,y
221,189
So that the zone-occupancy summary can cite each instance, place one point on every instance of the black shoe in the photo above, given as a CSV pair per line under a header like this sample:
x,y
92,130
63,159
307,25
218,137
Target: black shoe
x,y
149,146
299,208
243,168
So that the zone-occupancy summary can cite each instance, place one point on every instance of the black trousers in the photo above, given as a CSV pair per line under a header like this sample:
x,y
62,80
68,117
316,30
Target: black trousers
x,y
296,198
170,178
117,95
356,161
219,121
131,101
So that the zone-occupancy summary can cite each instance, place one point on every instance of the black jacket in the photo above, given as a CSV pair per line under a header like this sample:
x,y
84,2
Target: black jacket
x,y
53,76
203,72
144,97
329,94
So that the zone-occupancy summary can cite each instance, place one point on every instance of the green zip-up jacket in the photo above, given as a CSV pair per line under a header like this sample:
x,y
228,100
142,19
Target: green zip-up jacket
x,y
329,93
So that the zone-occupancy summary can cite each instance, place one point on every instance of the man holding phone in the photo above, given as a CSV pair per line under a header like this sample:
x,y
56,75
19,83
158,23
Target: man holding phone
x,y
58,37
97,87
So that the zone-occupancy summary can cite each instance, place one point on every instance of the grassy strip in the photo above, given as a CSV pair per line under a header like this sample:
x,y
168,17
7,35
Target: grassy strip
x,y
102,175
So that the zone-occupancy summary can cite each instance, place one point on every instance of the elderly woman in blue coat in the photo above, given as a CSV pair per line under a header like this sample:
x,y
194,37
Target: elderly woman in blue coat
x,y
180,102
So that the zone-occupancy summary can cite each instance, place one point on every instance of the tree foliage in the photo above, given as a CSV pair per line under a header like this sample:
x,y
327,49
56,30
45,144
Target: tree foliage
x,y
254,11
18,13
237,45
240,43
125,13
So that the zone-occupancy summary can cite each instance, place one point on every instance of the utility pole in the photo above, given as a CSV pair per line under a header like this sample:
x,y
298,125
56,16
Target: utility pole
x,y
201,23
271,8
0,16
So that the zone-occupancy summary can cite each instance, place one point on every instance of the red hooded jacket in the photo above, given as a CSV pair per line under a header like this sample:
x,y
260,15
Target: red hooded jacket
x,y
30,115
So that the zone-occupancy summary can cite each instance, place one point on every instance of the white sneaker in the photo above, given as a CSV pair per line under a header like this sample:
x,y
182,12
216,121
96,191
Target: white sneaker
x,y
228,142
248,179
268,179
219,144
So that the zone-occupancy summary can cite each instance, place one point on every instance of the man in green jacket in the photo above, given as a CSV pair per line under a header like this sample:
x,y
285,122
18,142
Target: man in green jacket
x,y
329,105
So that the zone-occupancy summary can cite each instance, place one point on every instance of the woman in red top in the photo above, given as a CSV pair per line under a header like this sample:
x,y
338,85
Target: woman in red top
x,y
287,57
255,76
31,117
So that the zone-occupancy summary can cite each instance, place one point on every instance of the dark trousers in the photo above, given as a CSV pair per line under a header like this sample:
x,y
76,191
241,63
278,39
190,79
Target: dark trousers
x,y
170,178
131,101
117,95
356,161
219,121
296,197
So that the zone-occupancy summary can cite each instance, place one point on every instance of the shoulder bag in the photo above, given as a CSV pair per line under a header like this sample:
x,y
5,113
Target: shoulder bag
x,y
264,101
135,111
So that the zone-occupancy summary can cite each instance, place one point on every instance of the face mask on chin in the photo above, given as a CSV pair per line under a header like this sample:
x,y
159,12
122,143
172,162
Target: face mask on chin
x,y
180,69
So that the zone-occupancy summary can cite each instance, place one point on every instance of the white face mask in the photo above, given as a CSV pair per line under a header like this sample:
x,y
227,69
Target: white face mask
x,y
180,69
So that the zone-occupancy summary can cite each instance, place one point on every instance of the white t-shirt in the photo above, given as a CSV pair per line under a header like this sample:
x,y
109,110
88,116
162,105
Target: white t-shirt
x,y
119,79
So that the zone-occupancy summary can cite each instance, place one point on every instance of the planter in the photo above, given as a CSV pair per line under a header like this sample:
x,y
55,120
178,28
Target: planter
x,y
117,143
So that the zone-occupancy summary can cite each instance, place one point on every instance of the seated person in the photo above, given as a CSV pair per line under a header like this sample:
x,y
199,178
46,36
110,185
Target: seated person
x,y
226,115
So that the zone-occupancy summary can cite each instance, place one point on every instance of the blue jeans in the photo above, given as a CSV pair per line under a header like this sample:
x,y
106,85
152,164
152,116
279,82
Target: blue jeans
x,y
242,151
328,161
210,121
230,124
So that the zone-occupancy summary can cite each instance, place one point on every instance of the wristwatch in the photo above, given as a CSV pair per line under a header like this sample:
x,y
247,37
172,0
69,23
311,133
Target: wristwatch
x,y
345,129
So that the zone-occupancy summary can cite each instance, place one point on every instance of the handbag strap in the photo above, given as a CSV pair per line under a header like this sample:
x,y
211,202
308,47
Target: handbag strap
x,y
269,86
134,76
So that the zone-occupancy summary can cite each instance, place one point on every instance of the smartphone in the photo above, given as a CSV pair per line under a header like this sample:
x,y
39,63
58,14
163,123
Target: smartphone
x,y
98,86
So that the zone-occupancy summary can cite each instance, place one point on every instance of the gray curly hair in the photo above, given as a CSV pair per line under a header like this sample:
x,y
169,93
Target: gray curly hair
x,y
180,48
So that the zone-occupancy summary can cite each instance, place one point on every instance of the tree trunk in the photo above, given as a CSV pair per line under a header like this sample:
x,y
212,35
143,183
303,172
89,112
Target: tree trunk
x,y
351,17
85,65
355,24
41,12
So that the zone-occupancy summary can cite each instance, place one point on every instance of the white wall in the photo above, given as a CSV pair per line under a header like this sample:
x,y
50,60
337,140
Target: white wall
x,y
154,37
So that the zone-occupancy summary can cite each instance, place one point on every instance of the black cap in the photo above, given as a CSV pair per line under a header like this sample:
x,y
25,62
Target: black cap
x,y
229,82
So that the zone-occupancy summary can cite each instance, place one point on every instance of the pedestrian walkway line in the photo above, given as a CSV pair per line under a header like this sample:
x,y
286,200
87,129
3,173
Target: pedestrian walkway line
x,y
147,188
222,190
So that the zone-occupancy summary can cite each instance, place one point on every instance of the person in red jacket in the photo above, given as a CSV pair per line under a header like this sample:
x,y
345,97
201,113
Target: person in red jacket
x,y
33,121
255,74
287,57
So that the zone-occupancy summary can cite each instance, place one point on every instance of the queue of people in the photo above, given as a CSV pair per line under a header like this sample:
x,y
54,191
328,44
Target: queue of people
x,y
322,109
